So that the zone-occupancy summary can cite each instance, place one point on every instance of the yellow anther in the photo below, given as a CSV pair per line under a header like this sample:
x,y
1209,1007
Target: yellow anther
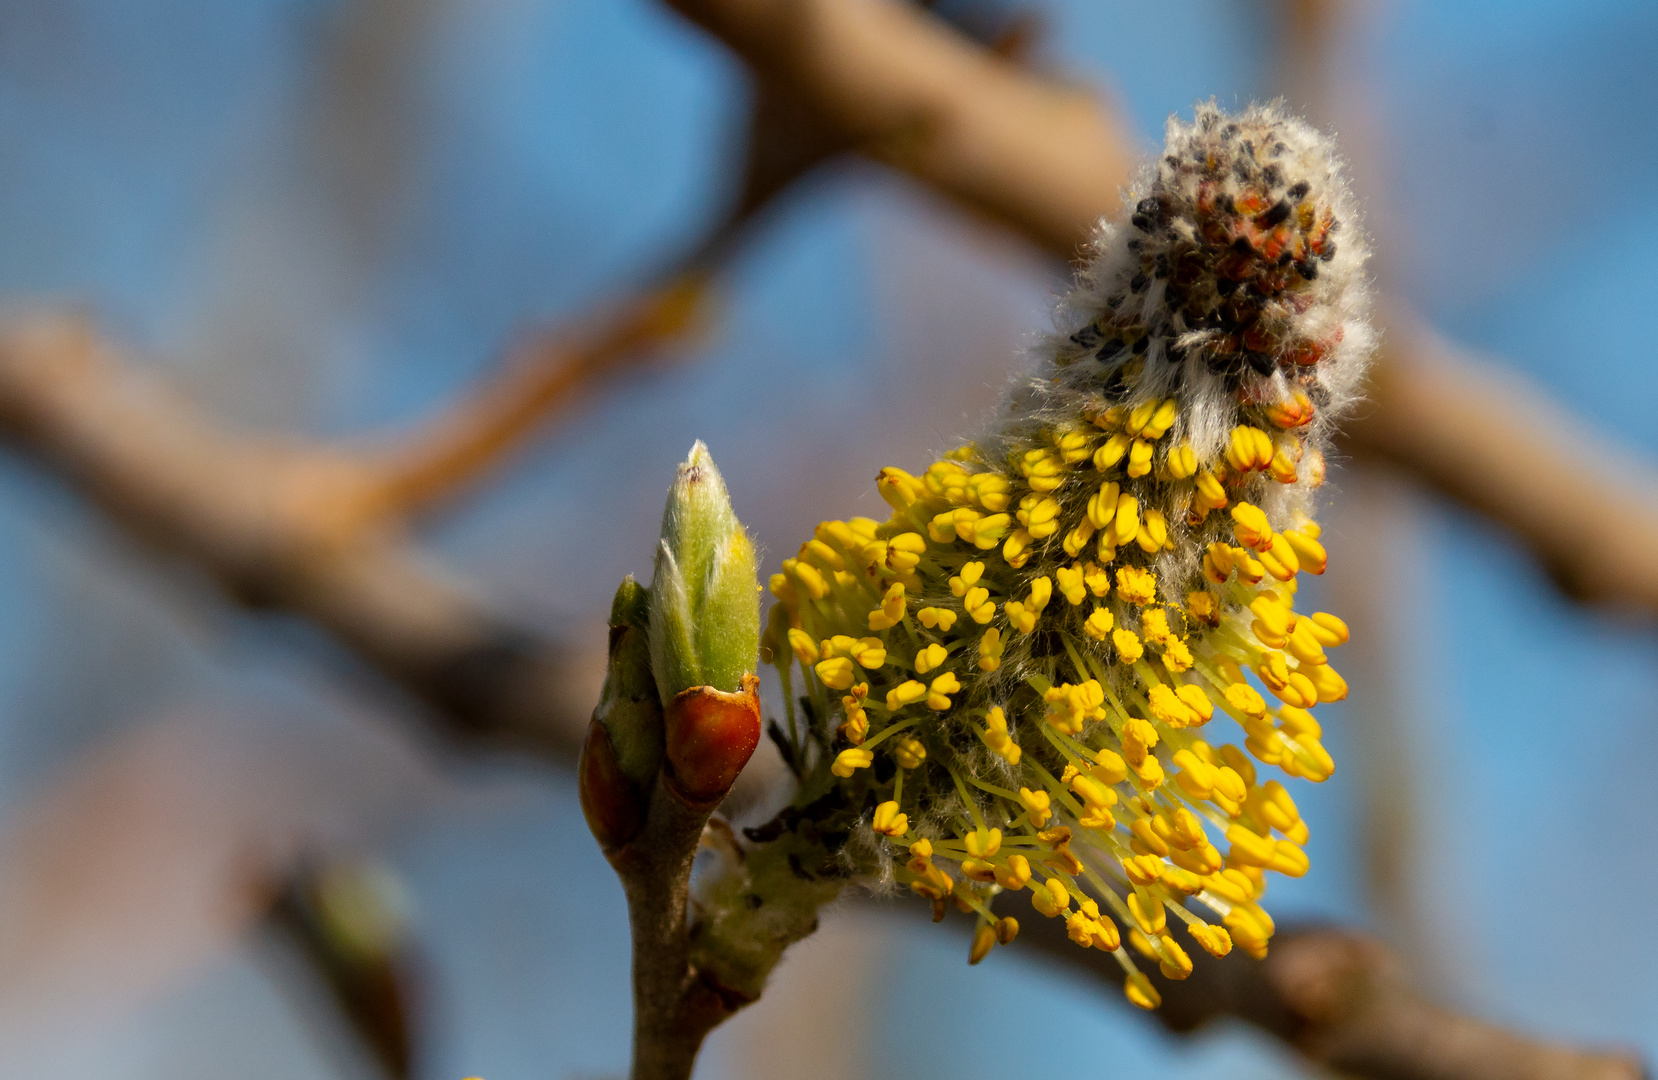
x,y
1214,939
937,618
1154,626
1139,737
1013,874
908,751
1037,804
1249,449
856,726
1173,961
946,684
822,556
1248,568
978,870
1329,630
1128,645
942,528
1041,591
929,658
1196,700
1281,468
891,611
1102,505
1242,697
1288,859
1127,521
1139,458
1019,616
1181,462
1140,416
1171,708
1108,767
1112,450
1077,539
1310,552
1140,993
1148,911
813,583
904,551
983,843
1304,645
889,821
1143,869
899,488
1234,759
1217,563
1097,578
991,491
1211,494
997,738
1074,446
803,647
1017,549
1279,559
1043,470
1250,526
1092,792
969,576
983,533
1006,930
837,672
1177,656
1250,848
990,649
1326,683
1278,618
978,605
869,652
1136,586
1039,514
783,589
1154,532
1196,778
983,938
1230,787
1069,581
1098,624
849,760
905,693
1202,858
1161,420
922,849
1202,607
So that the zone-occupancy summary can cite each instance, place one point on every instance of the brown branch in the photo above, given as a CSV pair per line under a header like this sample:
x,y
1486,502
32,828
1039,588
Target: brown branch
x,y
539,379
1585,508
1049,161
1338,998
262,518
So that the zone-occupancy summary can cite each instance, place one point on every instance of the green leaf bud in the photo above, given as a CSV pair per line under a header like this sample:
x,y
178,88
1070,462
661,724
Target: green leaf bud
x,y
705,608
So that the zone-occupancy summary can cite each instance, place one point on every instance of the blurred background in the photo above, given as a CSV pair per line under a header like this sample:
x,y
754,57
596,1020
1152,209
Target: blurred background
x,y
324,219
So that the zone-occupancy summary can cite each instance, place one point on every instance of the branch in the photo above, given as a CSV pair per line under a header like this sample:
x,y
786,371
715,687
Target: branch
x,y
1049,162
275,525
1585,509
1338,998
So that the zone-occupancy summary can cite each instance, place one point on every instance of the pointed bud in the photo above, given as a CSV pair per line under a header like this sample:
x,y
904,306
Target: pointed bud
x,y
705,610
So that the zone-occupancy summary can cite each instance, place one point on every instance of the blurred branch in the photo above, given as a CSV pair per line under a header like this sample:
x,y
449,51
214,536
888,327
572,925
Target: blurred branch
x,y
1049,161
265,520
1338,998
1588,511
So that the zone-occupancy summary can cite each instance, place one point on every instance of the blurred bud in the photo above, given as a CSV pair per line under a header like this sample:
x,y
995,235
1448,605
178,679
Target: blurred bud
x,y
705,609
623,751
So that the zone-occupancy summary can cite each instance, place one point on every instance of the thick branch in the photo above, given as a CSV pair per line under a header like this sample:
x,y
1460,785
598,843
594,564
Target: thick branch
x,y
1050,161
1044,158
1337,996
264,520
